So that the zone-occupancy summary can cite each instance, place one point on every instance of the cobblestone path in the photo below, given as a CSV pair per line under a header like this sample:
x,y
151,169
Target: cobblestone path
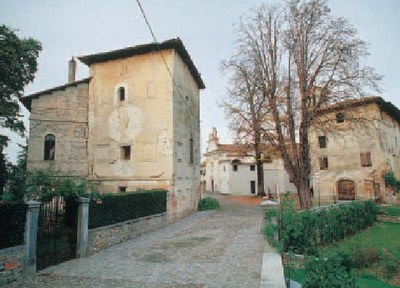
x,y
220,248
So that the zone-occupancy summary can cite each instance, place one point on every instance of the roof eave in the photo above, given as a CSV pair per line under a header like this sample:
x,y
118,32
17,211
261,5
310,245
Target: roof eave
x,y
27,100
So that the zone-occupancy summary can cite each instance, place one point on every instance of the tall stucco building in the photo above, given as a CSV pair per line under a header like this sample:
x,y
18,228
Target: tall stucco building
x,y
133,123
231,169
353,145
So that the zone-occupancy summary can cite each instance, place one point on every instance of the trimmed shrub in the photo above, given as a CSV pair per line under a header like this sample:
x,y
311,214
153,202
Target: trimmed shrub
x,y
391,265
208,203
12,224
121,207
302,232
330,272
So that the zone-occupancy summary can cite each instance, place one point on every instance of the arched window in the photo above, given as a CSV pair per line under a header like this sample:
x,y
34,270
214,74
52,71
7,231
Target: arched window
x,y
49,147
121,94
235,164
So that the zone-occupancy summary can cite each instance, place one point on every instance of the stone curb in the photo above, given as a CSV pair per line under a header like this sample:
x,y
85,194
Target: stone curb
x,y
272,275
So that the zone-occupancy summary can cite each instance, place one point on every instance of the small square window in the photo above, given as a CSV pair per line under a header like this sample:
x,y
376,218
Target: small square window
x,y
235,167
339,118
126,152
252,167
122,189
322,141
323,163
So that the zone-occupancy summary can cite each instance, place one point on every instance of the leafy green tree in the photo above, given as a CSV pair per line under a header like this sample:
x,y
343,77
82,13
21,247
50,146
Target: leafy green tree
x,y
18,65
3,171
17,176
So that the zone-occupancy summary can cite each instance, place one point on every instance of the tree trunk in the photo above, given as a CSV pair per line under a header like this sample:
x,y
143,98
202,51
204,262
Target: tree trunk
x,y
303,191
260,176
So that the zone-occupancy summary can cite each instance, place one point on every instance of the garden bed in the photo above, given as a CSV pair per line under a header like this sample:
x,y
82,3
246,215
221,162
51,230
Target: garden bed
x,y
373,251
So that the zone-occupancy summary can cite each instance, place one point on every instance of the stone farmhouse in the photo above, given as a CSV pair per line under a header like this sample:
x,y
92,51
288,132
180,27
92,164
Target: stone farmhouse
x,y
353,145
133,124
231,169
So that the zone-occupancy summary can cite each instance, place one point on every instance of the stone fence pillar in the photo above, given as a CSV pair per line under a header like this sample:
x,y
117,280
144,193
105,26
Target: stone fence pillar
x,y
83,228
31,228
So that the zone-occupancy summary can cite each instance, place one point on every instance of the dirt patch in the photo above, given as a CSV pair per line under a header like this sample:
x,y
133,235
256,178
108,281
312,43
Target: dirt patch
x,y
245,200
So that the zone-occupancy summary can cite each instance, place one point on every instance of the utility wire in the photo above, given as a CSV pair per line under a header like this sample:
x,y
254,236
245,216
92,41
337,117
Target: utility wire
x,y
191,114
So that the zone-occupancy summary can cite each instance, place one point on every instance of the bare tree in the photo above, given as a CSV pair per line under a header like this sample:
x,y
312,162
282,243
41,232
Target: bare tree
x,y
299,58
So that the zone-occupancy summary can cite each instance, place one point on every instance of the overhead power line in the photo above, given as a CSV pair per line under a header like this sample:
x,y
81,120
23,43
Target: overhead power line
x,y
191,114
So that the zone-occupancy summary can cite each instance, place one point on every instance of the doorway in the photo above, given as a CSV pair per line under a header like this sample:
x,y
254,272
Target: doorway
x,y
253,187
346,190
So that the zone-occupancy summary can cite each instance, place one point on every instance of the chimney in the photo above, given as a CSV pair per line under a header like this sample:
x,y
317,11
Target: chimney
x,y
71,70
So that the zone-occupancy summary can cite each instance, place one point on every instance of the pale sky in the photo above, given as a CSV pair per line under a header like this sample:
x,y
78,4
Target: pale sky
x,y
74,27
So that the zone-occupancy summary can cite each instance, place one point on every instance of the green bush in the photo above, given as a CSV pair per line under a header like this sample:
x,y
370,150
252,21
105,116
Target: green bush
x,y
270,232
208,203
119,207
44,184
390,180
390,264
331,272
303,232
12,224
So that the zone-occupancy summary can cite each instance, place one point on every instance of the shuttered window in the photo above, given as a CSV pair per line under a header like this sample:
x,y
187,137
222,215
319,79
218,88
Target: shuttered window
x,y
366,159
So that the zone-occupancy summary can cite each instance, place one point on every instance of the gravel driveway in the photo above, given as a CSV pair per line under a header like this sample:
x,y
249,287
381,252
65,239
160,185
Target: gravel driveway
x,y
220,248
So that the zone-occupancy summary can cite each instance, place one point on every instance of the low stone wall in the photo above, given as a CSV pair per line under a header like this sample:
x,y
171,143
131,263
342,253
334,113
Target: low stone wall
x,y
11,264
106,236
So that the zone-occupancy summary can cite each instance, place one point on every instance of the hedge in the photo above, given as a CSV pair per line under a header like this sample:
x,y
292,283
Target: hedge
x,y
121,207
12,224
302,232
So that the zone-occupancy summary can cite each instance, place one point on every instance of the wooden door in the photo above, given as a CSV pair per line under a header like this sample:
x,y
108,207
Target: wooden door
x,y
346,190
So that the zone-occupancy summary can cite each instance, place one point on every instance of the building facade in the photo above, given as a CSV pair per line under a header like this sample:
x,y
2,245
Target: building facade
x,y
231,169
352,146
133,124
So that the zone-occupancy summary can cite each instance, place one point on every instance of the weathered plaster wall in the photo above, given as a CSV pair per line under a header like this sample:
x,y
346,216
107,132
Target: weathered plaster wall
x,y
64,114
344,146
142,121
186,117
239,181
390,142
276,179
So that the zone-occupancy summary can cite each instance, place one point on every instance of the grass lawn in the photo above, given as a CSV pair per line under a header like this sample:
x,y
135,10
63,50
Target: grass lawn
x,y
392,210
382,235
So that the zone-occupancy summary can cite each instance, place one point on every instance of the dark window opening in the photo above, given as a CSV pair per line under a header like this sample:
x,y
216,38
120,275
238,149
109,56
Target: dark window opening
x,y
121,94
49,147
366,159
322,141
339,118
323,163
235,164
252,167
122,189
126,152
191,156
